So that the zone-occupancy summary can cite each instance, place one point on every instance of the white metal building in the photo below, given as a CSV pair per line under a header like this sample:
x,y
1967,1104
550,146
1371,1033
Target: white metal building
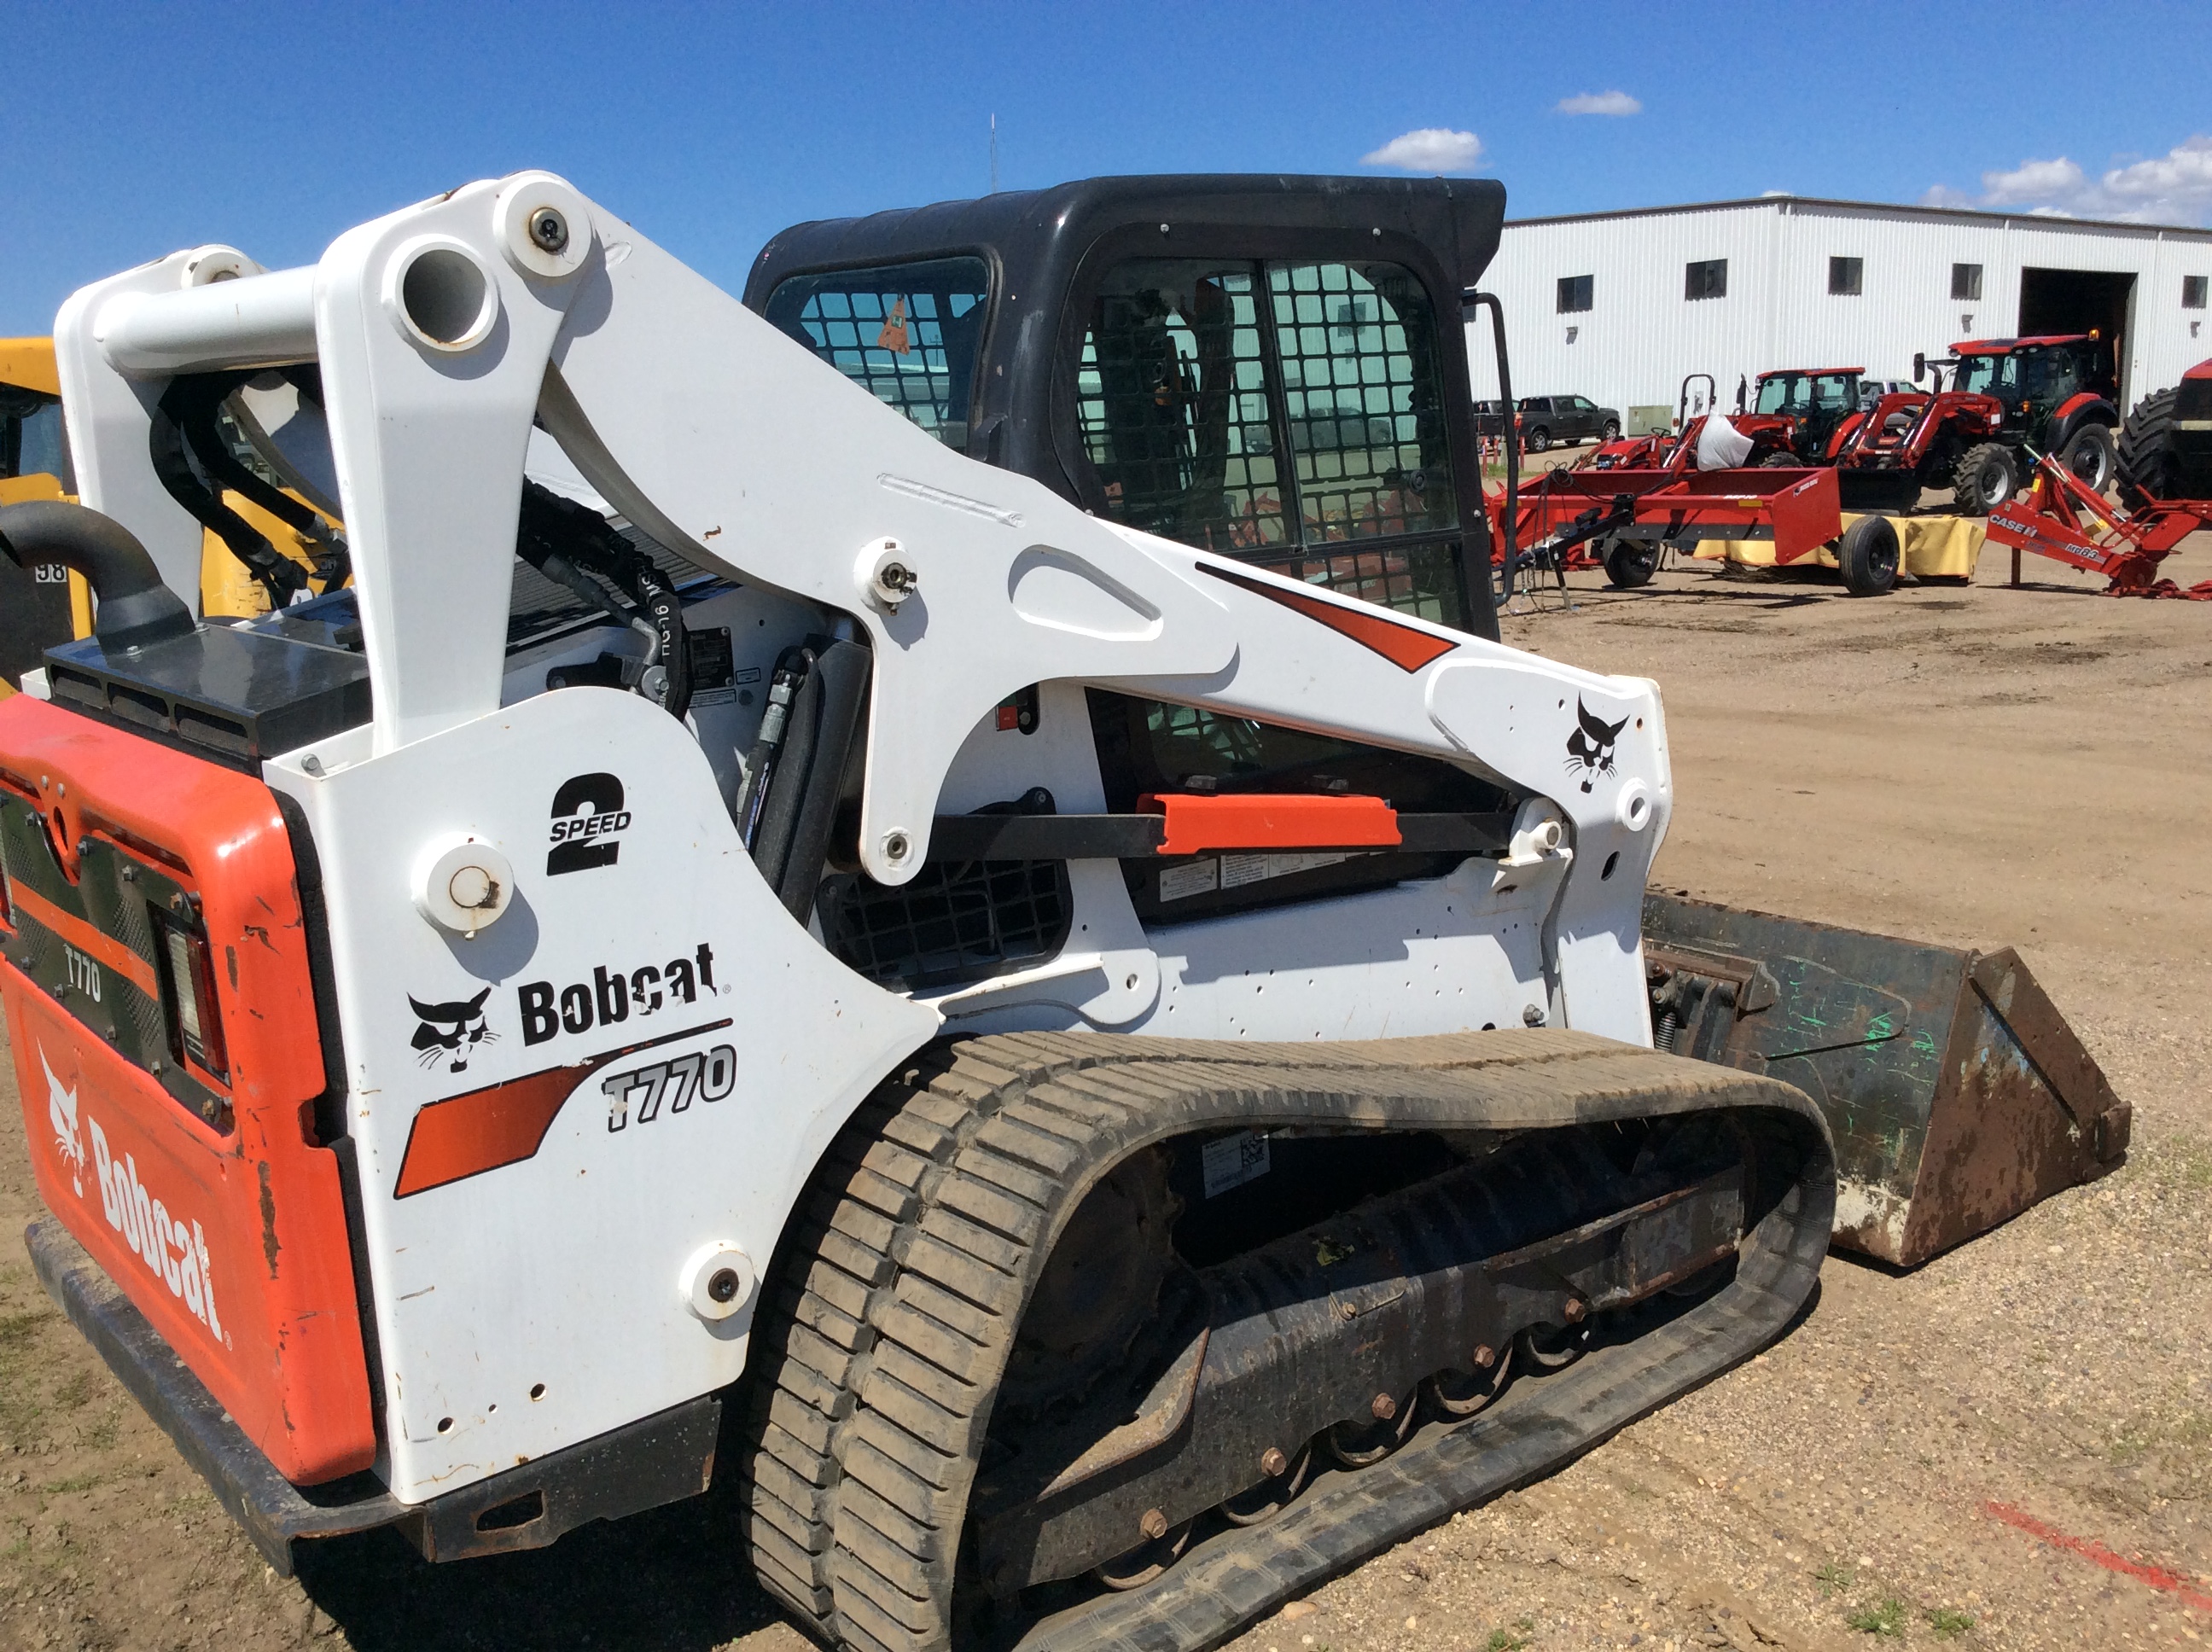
x,y
1619,306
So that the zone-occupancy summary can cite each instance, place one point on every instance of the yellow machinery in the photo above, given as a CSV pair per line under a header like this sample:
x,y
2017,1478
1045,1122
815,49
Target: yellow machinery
x,y
47,603
44,604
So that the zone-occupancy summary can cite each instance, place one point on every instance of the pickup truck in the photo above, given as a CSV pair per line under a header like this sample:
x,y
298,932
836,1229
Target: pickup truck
x,y
1547,419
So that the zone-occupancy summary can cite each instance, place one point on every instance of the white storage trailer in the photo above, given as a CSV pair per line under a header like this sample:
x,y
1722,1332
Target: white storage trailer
x,y
1619,306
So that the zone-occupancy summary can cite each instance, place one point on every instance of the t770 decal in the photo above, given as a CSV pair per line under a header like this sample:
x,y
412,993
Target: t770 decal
x,y
670,1086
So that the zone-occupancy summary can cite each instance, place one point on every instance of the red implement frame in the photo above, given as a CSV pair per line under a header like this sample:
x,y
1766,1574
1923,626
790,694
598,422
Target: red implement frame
x,y
1798,509
2058,516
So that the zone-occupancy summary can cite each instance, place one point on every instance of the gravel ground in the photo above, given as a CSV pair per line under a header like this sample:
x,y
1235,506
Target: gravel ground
x,y
1975,766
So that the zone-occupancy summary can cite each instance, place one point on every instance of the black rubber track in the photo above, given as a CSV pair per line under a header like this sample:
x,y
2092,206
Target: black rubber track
x,y
897,1294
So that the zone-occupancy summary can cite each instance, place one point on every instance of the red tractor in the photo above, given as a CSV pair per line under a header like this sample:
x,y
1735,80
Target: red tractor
x,y
1801,416
2056,394
2165,447
1918,440
1773,437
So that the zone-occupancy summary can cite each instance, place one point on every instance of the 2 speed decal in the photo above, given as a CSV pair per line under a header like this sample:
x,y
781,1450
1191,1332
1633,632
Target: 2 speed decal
x,y
588,820
670,1086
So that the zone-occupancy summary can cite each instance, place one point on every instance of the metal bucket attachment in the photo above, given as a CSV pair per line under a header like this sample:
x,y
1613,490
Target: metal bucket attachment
x,y
1957,1094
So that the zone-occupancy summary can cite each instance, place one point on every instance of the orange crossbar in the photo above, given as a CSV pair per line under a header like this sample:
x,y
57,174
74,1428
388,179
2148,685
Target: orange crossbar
x,y
1199,821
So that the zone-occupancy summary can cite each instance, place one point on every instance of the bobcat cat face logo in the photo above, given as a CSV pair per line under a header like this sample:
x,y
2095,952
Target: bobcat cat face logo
x,y
449,1031
1589,748
61,1112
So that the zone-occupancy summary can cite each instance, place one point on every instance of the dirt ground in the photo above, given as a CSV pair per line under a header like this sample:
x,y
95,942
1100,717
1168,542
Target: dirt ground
x,y
2010,1448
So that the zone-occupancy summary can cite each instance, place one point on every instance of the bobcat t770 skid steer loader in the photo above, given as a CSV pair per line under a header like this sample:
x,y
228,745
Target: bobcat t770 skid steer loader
x,y
1097,1079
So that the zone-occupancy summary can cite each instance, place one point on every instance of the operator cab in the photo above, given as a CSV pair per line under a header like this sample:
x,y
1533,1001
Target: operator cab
x,y
36,609
1269,369
2035,376
1815,399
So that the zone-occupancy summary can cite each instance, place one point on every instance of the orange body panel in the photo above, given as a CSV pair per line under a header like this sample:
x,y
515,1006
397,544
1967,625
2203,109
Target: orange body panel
x,y
233,1243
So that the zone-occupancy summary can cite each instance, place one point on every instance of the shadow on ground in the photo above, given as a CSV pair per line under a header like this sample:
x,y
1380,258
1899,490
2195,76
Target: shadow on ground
x,y
674,1578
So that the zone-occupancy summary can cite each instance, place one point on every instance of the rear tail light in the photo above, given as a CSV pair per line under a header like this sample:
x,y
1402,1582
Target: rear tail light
x,y
188,998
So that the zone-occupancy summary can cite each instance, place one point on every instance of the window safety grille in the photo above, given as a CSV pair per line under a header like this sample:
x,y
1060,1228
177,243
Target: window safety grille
x,y
906,333
1187,416
955,921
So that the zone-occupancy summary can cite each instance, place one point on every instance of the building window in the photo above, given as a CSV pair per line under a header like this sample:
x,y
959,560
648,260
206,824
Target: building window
x,y
1846,277
1575,293
2192,292
1966,281
1707,278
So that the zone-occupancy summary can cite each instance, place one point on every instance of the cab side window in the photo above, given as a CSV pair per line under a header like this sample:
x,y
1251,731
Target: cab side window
x,y
31,440
906,333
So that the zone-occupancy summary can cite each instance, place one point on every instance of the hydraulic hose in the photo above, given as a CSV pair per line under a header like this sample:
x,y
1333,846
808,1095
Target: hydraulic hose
x,y
792,667
136,607
567,541
842,670
187,399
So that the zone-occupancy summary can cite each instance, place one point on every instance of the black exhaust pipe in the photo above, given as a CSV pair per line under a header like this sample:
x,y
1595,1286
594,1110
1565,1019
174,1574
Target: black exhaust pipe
x,y
135,608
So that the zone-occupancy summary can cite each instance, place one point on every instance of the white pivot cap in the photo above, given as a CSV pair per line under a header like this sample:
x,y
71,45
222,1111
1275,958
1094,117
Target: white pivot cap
x,y
1632,808
545,228
885,573
463,883
717,1281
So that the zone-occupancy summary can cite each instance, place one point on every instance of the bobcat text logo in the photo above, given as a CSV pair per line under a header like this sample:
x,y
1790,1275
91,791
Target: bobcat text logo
x,y
449,1031
1589,748
588,816
61,1112
176,1254
672,1085
610,995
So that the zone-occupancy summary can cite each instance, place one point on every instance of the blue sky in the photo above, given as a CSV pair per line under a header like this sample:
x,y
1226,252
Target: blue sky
x,y
128,131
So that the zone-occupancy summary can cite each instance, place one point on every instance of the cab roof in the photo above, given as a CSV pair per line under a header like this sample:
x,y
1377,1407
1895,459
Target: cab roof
x,y
1037,237
1808,373
2006,346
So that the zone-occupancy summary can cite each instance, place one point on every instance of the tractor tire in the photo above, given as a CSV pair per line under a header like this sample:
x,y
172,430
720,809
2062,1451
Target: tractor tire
x,y
1867,556
1782,459
1612,431
2092,456
2148,468
1630,563
1537,441
1987,475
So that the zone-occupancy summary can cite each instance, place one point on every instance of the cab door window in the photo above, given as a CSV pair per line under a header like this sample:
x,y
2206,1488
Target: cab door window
x,y
1176,408
1364,395
1291,413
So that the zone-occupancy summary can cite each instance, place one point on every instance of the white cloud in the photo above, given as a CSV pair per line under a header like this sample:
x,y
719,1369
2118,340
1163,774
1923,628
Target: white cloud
x,y
1600,103
2032,183
2175,187
1432,149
